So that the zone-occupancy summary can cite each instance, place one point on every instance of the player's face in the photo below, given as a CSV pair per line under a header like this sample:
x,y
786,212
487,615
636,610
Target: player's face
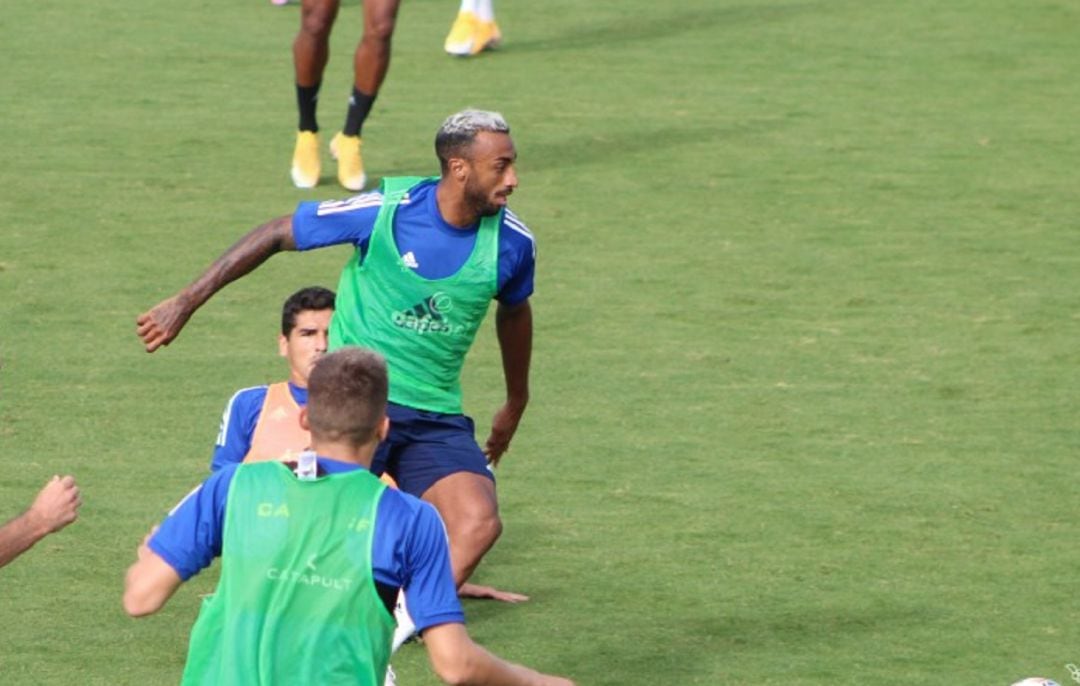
x,y
306,343
492,177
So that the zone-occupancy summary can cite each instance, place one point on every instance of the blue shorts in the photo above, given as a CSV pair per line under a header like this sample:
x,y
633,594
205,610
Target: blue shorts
x,y
423,447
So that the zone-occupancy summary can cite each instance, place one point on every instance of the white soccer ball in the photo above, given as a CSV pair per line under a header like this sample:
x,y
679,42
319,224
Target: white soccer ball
x,y
1036,681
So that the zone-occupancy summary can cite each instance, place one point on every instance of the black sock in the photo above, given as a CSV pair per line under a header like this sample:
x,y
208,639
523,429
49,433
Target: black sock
x,y
359,106
307,97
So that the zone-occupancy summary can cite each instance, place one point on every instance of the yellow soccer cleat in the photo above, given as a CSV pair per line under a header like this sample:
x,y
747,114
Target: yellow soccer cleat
x,y
305,160
350,166
470,36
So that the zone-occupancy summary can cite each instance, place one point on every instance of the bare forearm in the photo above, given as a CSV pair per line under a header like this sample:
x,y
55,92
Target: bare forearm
x,y
162,323
254,248
19,535
489,670
514,327
458,660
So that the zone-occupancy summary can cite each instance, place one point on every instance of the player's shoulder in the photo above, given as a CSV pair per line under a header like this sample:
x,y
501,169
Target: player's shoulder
x,y
247,396
407,512
363,201
515,236
406,504
212,491
513,225
247,391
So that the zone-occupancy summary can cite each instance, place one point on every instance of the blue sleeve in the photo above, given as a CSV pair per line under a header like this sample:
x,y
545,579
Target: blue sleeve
x,y
333,222
411,551
190,537
517,261
237,427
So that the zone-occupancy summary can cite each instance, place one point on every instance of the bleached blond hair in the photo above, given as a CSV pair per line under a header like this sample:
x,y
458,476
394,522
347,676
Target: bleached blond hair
x,y
459,131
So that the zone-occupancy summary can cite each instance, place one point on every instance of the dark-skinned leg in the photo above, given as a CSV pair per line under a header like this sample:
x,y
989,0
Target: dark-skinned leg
x,y
372,58
311,48
470,510
370,64
310,53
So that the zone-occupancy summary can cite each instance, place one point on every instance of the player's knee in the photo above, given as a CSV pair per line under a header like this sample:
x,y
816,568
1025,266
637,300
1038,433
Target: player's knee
x,y
317,23
378,32
479,527
487,528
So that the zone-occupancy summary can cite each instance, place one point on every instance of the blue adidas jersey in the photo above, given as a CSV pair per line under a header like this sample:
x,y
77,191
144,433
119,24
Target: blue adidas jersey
x,y
238,423
428,244
409,548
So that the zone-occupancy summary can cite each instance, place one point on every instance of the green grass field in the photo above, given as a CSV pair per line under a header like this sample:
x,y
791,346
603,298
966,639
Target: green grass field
x,y
805,406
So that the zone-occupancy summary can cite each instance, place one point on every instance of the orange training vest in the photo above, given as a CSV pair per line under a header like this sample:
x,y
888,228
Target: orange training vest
x,y
278,435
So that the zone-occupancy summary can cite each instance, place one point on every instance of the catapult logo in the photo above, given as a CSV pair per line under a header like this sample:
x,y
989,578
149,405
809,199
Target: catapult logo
x,y
428,316
308,576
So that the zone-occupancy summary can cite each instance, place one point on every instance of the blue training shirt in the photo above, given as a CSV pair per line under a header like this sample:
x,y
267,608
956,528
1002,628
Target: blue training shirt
x,y
238,423
438,249
409,548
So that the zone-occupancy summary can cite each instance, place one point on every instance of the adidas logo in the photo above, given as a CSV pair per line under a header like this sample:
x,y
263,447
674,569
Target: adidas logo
x,y
428,316
410,260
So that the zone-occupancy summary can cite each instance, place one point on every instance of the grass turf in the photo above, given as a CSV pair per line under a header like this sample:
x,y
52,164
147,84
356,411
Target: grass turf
x,y
804,390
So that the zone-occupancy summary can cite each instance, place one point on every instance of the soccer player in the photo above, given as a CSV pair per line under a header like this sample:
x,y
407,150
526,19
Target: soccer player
x,y
56,505
431,253
262,422
474,30
313,555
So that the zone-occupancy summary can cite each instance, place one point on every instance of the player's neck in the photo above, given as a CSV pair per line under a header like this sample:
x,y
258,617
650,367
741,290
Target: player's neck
x,y
452,206
343,451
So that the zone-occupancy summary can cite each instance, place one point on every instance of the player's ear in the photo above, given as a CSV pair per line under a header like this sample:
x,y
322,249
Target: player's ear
x,y
282,345
304,419
458,168
384,428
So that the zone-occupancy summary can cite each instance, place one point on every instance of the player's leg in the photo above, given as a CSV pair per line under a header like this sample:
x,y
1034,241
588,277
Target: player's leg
x,y
370,64
436,457
311,50
474,30
469,508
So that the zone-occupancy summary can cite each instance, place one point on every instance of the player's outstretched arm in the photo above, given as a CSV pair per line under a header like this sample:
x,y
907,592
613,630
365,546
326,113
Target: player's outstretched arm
x,y
162,323
56,506
514,327
456,659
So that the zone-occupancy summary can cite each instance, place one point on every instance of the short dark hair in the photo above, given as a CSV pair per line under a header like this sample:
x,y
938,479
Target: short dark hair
x,y
347,392
459,131
310,298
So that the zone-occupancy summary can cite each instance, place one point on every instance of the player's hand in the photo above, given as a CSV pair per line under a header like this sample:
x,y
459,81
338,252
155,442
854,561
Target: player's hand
x,y
503,426
160,325
467,590
57,504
